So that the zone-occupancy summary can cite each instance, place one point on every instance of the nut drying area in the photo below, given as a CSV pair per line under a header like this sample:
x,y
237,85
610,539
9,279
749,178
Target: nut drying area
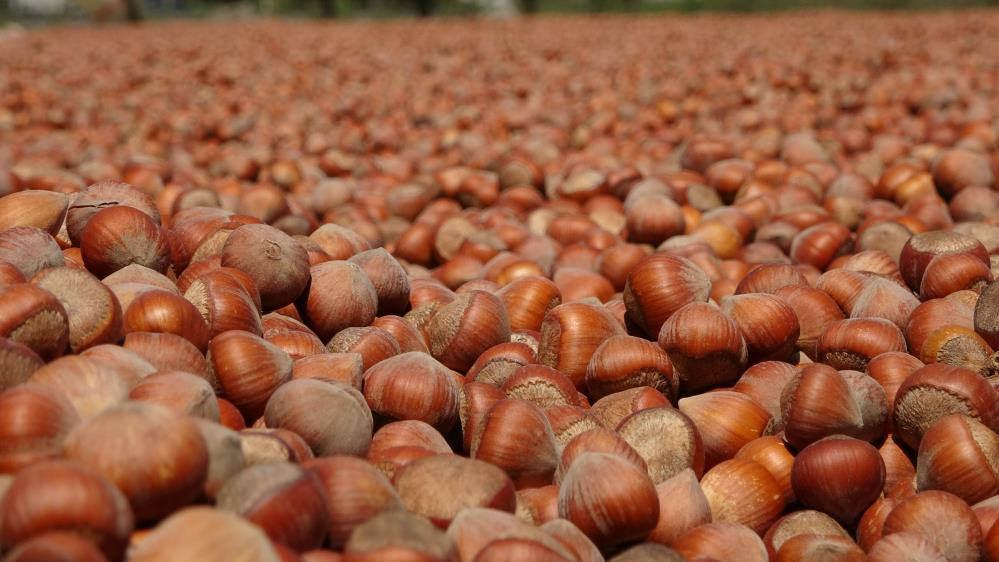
x,y
554,289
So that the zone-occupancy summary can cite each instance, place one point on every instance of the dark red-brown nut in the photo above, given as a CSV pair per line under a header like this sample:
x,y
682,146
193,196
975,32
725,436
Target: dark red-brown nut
x,y
65,495
354,490
103,195
821,401
34,317
839,476
248,369
413,386
120,236
818,245
571,333
157,459
283,499
725,420
332,418
527,300
515,436
920,250
769,326
622,362
659,286
610,499
464,328
224,302
277,264
705,346
34,421
957,455
851,343
169,313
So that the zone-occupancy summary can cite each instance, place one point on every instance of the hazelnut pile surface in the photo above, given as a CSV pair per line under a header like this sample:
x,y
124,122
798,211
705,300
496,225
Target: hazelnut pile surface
x,y
555,290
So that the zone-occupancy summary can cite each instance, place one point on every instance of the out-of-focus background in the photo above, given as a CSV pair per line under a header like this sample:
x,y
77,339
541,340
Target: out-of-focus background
x,y
43,11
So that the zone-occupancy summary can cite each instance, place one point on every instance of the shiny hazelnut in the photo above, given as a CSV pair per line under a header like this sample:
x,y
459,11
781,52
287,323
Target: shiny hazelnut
x,y
941,518
464,328
768,325
726,420
339,296
413,386
570,334
721,540
619,506
34,422
168,313
119,236
249,369
183,393
624,362
920,250
660,285
64,495
166,473
705,346
515,436
744,492
821,401
851,343
355,491
955,455
283,499
839,476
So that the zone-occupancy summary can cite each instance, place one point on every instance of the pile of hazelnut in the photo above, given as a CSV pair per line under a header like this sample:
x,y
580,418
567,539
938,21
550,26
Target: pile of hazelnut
x,y
559,290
